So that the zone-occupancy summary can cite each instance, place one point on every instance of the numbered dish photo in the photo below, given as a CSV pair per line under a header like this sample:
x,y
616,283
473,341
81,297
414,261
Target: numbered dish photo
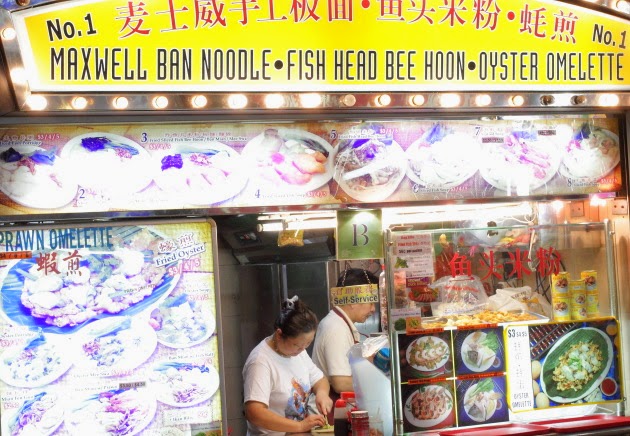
x,y
40,415
201,174
576,365
521,162
289,160
428,353
114,345
181,322
479,350
481,400
369,168
443,157
428,406
183,384
39,361
111,413
591,153
37,178
108,163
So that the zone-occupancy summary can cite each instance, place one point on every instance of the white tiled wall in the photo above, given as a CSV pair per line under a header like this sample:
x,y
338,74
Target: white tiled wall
x,y
231,324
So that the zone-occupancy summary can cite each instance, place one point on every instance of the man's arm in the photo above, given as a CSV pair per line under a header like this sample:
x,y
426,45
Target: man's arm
x,y
341,383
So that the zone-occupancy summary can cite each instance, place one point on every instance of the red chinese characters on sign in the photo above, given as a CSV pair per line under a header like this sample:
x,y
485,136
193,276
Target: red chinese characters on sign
x,y
460,265
482,14
73,260
47,262
166,246
533,21
133,14
339,10
564,27
209,13
548,262
171,12
486,14
420,6
453,9
303,10
391,10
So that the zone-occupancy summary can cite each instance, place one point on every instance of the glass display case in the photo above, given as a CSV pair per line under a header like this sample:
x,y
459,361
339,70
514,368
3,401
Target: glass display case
x,y
502,324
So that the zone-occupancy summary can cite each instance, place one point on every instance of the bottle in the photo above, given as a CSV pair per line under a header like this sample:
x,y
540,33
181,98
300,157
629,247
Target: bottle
x,y
382,293
360,423
351,406
340,418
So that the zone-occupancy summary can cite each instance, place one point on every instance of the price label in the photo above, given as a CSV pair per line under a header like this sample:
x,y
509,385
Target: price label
x,y
520,392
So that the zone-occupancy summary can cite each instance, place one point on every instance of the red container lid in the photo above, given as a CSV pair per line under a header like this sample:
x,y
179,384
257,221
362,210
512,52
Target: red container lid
x,y
340,403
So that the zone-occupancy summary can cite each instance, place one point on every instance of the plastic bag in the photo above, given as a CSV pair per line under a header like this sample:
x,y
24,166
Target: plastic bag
x,y
459,294
522,298
291,237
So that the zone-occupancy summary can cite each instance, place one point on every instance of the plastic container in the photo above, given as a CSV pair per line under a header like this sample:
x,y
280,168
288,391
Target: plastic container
x,y
360,423
372,388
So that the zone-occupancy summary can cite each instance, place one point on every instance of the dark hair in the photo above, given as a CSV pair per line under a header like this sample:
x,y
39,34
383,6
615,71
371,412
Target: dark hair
x,y
296,318
356,276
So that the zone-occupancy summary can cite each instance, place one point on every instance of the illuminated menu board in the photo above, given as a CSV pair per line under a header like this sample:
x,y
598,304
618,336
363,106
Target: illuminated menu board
x,y
103,168
109,330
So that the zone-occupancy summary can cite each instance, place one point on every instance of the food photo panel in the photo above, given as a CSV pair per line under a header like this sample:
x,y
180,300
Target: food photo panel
x,y
425,356
444,157
479,351
428,406
575,363
109,330
481,401
368,164
288,160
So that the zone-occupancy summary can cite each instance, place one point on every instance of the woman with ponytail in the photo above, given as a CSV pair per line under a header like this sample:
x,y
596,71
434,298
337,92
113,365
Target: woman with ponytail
x,y
280,377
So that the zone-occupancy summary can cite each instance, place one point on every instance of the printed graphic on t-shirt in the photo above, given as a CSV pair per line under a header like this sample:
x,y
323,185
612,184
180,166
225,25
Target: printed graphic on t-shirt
x,y
296,406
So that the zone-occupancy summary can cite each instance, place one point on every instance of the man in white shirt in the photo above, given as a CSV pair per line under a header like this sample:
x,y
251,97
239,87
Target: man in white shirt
x,y
336,333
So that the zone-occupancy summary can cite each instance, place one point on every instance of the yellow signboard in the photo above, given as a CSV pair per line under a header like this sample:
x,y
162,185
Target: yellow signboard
x,y
323,45
357,294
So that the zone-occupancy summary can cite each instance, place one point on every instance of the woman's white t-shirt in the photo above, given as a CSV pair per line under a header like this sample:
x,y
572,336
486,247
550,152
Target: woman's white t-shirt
x,y
281,383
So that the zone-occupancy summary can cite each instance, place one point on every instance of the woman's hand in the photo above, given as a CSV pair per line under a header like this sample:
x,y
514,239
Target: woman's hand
x,y
323,402
312,420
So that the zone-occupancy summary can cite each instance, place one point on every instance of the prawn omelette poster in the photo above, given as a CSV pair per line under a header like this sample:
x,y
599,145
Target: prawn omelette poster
x,y
109,330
